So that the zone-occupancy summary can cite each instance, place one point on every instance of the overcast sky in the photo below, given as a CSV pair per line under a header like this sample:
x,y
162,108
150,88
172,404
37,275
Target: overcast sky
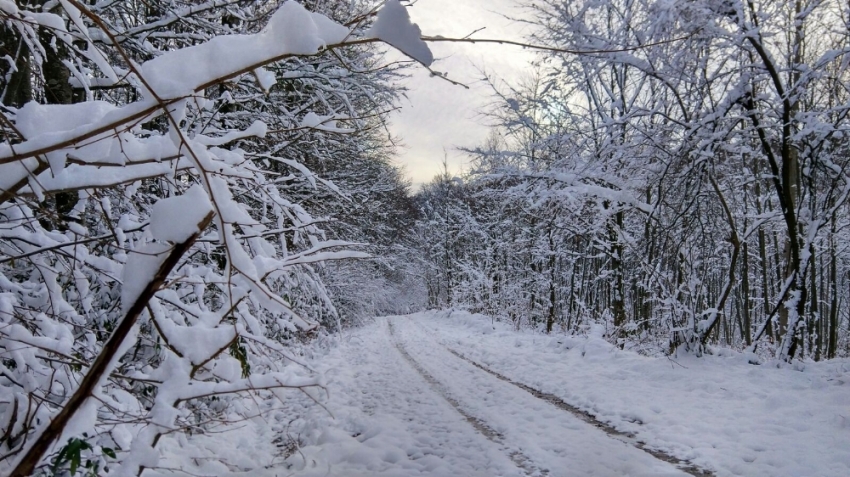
x,y
438,115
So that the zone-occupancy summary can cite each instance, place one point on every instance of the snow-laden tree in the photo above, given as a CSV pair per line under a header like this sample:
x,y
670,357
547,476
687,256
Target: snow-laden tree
x,y
725,85
158,246
690,169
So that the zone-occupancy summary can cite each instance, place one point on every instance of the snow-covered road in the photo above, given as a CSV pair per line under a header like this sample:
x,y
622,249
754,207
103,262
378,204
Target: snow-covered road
x,y
405,405
389,420
440,394
542,438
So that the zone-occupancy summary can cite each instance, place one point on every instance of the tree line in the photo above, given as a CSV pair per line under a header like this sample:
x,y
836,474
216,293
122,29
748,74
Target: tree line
x,y
682,182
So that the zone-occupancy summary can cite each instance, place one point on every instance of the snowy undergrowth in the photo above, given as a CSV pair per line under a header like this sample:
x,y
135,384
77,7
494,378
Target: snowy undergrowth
x,y
265,430
720,412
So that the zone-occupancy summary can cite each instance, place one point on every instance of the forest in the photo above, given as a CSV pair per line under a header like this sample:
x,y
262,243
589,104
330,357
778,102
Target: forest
x,y
197,194
686,192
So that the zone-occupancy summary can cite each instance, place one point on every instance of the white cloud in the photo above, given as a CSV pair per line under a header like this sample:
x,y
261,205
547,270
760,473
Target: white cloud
x,y
439,115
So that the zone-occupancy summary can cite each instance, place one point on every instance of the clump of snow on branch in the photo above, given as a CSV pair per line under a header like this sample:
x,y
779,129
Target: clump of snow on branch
x,y
177,218
291,31
393,26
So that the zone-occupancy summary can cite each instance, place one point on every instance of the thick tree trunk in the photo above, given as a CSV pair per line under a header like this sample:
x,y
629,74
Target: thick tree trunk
x,y
617,300
746,326
832,342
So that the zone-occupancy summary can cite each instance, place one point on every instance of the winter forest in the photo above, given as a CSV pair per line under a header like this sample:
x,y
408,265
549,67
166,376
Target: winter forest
x,y
203,211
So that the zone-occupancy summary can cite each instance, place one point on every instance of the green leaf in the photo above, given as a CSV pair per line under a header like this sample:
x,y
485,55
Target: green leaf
x,y
109,452
238,351
60,459
75,462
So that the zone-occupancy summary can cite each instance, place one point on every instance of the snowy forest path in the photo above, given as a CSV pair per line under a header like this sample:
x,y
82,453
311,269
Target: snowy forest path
x,y
541,436
516,455
403,426
585,416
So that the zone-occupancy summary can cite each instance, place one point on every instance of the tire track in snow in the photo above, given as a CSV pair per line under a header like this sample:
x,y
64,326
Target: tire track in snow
x,y
585,416
521,460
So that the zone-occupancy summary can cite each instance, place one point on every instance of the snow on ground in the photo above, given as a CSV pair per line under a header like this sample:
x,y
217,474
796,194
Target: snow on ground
x,y
557,442
386,421
398,403
719,412
403,405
